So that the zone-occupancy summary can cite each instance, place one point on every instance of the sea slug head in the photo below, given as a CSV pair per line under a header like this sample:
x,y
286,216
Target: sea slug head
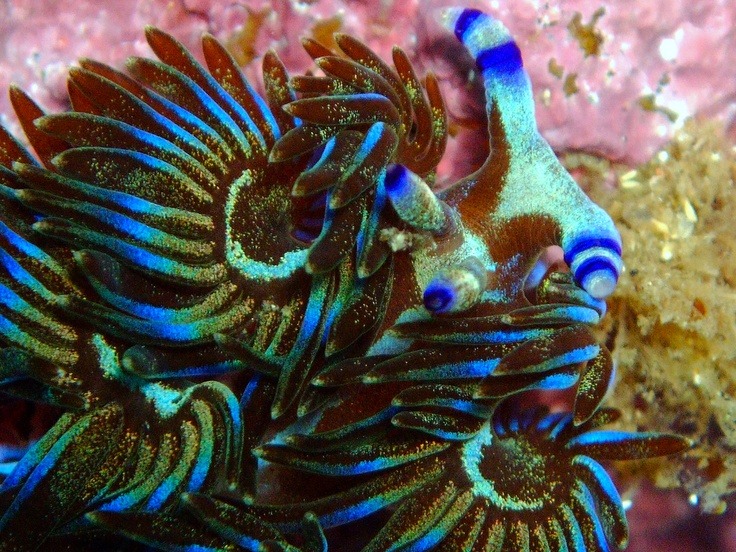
x,y
522,200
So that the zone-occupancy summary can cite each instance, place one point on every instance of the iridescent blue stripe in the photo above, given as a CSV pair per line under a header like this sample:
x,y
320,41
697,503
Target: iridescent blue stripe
x,y
23,277
183,135
348,468
588,503
16,303
455,370
589,243
368,234
135,255
310,322
607,438
30,250
324,153
396,180
573,533
461,405
235,420
466,19
146,138
126,201
574,356
560,426
217,112
36,453
432,537
235,106
264,109
503,59
141,310
354,512
128,226
201,370
491,338
595,264
513,424
46,465
6,468
191,119
247,542
602,479
91,156
548,421
250,389
180,333
371,139
162,493
204,460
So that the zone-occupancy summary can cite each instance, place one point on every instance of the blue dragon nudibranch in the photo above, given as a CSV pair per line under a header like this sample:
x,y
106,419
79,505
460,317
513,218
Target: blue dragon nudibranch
x,y
260,321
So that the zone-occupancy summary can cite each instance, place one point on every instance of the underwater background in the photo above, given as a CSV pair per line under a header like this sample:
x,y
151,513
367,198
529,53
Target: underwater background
x,y
639,102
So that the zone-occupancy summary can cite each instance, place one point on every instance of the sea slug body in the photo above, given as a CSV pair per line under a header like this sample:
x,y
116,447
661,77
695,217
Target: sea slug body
x,y
261,320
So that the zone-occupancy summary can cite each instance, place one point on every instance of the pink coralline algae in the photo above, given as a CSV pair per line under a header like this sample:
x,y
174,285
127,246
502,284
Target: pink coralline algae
x,y
612,79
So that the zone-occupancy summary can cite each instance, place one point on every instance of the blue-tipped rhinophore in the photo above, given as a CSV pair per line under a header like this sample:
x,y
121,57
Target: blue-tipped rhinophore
x,y
457,288
414,201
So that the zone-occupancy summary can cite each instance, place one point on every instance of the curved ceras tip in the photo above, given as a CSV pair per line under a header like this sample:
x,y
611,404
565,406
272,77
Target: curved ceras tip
x,y
523,181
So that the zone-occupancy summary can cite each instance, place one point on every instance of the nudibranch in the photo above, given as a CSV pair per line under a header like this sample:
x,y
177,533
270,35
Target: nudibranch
x,y
215,286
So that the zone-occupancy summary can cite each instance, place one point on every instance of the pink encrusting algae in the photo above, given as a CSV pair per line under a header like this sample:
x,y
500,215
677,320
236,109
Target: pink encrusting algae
x,y
614,79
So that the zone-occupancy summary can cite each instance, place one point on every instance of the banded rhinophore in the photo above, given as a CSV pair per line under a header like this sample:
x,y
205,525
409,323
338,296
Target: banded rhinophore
x,y
591,243
217,288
